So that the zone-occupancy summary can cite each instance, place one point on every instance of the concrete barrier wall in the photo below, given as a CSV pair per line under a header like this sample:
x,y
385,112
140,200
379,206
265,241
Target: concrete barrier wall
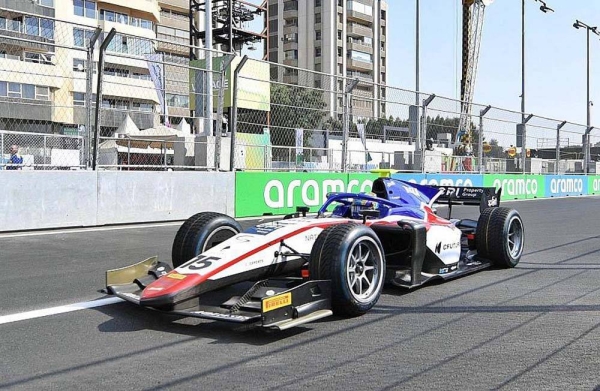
x,y
58,199
37,199
130,197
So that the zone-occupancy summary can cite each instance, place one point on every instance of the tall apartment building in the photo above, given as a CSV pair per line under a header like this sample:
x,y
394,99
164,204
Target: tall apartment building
x,y
173,39
43,63
340,37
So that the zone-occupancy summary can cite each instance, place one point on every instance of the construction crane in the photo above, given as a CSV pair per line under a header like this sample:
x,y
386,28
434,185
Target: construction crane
x,y
473,15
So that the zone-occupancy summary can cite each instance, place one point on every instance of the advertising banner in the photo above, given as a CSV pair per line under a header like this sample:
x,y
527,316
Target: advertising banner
x,y
254,89
466,180
156,69
517,186
280,193
594,185
566,185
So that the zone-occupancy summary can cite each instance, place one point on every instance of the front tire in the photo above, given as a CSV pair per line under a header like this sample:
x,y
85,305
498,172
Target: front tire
x,y
500,236
351,256
201,232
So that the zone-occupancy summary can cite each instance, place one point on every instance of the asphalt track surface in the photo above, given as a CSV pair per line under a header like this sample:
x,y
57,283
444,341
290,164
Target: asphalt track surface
x,y
533,327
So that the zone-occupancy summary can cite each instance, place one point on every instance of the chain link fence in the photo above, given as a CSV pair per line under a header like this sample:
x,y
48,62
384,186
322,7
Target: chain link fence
x,y
111,100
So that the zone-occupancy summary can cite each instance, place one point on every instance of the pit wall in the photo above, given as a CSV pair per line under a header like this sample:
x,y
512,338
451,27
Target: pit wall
x,y
261,193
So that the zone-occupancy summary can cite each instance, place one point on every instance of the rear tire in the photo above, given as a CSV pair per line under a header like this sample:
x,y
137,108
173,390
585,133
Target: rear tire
x,y
351,256
500,236
201,232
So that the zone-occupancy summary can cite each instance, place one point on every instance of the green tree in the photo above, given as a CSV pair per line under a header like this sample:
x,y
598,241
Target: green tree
x,y
294,107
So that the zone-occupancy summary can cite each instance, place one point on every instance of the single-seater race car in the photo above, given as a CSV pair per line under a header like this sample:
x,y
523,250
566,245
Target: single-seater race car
x,y
301,268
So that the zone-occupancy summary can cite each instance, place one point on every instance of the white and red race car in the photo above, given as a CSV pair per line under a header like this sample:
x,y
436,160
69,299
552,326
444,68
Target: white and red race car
x,y
301,268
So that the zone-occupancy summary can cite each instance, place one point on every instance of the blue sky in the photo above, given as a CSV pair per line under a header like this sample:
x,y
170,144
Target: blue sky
x,y
555,54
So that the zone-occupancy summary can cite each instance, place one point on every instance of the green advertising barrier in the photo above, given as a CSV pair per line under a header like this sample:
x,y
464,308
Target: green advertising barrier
x,y
258,193
594,185
517,186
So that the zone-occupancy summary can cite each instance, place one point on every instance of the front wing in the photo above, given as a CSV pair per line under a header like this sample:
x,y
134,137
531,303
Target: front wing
x,y
273,303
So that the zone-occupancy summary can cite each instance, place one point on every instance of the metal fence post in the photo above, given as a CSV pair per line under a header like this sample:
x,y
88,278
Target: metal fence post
x,y
558,128
225,63
524,143
346,127
234,112
89,92
586,149
45,157
482,113
103,47
423,132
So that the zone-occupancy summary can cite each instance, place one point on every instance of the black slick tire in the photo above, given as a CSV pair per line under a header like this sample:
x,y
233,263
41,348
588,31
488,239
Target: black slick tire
x,y
500,236
333,257
201,232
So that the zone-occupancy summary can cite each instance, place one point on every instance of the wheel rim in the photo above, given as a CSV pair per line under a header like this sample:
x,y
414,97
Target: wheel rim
x,y
363,269
216,237
515,237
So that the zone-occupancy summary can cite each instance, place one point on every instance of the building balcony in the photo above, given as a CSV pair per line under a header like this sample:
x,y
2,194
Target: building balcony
x,y
290,46
113,118
28,7
25,41
182,5
353,15
290,14
359,30
25,109
360,47
175,23
360,65
175,47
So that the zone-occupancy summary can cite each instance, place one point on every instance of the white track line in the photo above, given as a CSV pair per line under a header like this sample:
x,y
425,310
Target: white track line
x,y
58,310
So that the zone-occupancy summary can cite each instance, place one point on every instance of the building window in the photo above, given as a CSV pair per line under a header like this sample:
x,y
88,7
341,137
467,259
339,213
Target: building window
x,y
3,88
47,3
273,56
273,27
359,7
78,99
291,22
339,34
383,77
81,37
273,44
317,3
383,14
360,56
273,10
290,37
14,90
318,83
340,51
318,18
28,91
318,52
42,93
318,67
38,58
84,8
291,54
318,35
142,106
78,65
174,100
290,5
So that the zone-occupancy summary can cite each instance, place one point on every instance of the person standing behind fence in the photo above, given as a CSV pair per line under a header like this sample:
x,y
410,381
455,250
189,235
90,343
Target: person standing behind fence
x,y
16,161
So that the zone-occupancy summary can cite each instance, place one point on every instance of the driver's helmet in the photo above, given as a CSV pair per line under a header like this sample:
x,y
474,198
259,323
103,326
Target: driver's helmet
x,y
358,205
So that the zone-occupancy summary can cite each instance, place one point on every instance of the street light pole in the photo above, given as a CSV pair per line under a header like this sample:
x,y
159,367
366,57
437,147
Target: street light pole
x,y
586,140
544,8
417,57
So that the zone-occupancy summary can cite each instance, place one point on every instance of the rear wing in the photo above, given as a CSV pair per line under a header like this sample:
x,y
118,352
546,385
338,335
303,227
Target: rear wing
x,y
484,197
